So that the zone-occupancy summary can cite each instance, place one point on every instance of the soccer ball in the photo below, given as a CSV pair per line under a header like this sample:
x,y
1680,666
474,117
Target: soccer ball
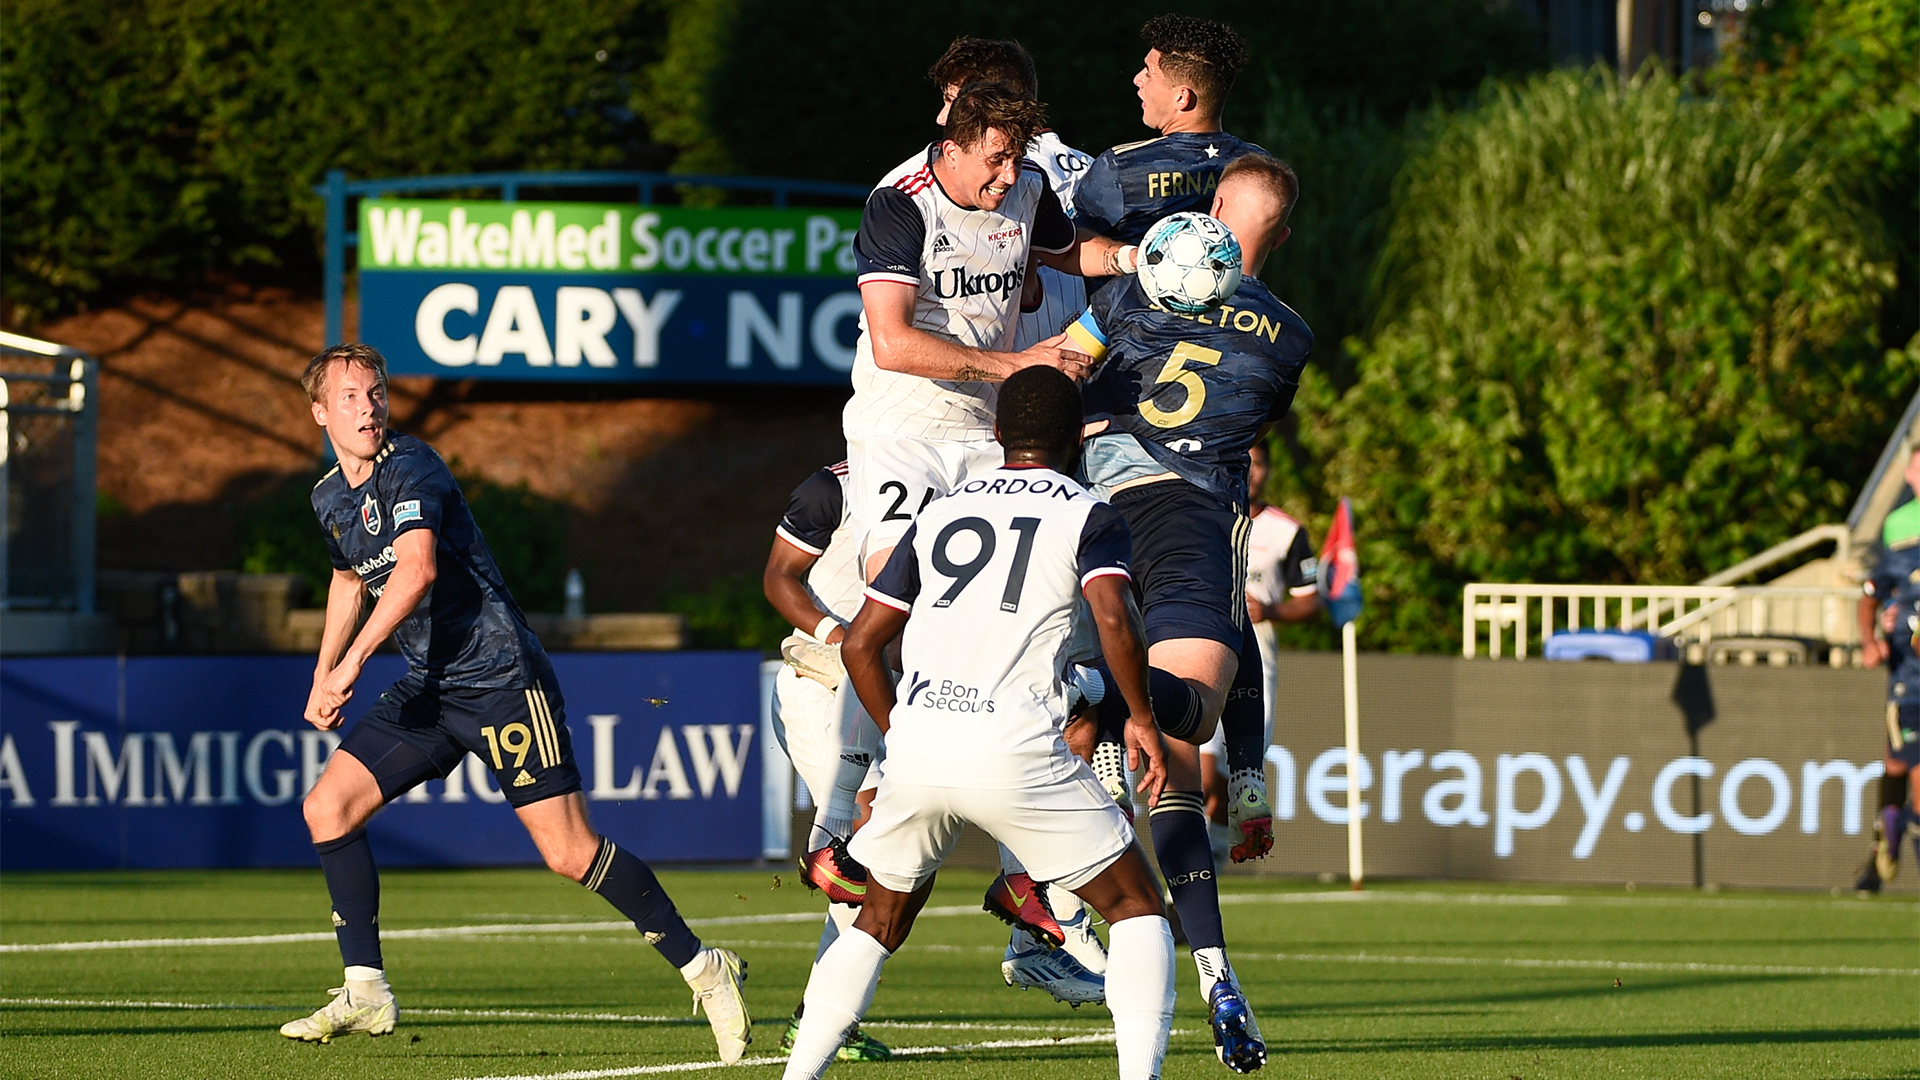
x,y
1189,263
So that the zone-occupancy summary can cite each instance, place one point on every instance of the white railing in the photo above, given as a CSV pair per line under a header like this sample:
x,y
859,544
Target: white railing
x,y
1693,615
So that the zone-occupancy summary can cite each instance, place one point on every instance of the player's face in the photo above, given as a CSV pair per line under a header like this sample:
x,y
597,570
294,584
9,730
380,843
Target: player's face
x,y
984,172
353,410
1256,473
947,94
1159,98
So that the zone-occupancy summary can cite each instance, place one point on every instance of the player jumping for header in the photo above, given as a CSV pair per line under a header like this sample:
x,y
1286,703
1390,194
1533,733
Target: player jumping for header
x,y
984,585
477,682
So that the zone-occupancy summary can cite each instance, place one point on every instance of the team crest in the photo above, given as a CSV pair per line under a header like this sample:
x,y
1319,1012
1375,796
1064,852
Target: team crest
x,y
370,516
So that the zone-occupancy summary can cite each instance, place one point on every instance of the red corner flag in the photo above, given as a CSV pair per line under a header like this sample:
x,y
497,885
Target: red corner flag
x,y
1340,569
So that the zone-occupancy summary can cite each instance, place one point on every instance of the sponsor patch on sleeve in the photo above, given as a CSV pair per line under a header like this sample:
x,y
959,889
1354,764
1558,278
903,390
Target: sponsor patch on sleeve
x,y
404,512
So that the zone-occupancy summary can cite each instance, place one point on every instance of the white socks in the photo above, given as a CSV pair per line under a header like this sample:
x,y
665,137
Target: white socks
x,y
368,983
838,994
1139,993
839,919
1213,968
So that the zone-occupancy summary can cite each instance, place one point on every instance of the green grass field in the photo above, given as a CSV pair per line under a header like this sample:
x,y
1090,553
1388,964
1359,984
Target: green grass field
x,y
1406,980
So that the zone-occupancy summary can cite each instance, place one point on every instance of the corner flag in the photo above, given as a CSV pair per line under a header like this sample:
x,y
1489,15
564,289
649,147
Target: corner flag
x,y
1340,569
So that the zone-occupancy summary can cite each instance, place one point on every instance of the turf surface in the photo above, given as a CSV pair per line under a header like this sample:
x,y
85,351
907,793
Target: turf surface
x,y
1425,980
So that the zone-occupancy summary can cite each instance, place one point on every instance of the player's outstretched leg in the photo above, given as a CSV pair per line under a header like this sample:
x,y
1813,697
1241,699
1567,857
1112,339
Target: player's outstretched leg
x,y
1140,981
337,808
1244,727
1065,957
1180,842
840,990
856,1045
1883,862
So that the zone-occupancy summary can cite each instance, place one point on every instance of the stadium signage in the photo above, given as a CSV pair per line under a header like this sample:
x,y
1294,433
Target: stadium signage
x,y
607,292
103,765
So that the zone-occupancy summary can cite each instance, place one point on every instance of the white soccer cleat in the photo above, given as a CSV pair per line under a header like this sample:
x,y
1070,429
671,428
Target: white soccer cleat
x,y
344,1015
717,989
815,661
1249,814
1054,971
1083,944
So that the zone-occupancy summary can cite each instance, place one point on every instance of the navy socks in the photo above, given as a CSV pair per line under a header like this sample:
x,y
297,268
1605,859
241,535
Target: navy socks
x,y
1243,720
629,885
353,884
1185,854
1176,706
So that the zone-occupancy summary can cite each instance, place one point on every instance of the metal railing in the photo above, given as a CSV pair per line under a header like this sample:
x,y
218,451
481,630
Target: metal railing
x,y
337,190
1527,615
48,440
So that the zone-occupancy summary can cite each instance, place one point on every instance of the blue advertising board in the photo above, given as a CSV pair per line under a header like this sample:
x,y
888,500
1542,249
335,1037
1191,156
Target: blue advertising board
x,y
579,292
153,762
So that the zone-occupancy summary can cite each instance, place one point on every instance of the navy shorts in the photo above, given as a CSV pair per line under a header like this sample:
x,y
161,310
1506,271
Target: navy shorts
x,y
1903,733
1189,562
418,732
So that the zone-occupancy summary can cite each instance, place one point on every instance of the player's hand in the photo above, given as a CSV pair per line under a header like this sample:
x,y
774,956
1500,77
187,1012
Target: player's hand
x,y
1256,610
1872,652
318,713
1146,756
337,688
835,636
1054,353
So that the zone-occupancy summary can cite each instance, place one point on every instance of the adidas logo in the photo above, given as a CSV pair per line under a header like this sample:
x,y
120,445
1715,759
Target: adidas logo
x,y
337,920
942,244
523,779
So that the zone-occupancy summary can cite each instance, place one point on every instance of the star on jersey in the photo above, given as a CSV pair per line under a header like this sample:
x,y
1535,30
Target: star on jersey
x,y
1213,151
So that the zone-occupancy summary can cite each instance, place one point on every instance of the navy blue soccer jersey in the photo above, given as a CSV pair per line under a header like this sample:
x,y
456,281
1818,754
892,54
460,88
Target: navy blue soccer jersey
x,y
468,633
1130,187
1193,390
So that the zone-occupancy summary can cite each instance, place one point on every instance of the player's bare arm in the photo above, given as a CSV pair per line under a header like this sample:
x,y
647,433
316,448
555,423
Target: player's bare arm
x,y
864,654
785,583
413,572
901,347
1093,255
1123,640
1873,651
345,597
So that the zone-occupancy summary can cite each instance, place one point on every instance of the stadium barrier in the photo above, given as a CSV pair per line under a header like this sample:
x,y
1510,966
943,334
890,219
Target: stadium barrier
x,y
154,762
1656,773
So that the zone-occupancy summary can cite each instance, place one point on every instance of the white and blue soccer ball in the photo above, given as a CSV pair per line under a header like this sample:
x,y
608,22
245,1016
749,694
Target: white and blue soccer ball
x,y
1189,263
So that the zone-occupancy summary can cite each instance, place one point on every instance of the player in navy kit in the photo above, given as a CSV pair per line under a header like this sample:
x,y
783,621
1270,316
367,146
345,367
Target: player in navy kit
x,y
1172,407
1182,85
477,681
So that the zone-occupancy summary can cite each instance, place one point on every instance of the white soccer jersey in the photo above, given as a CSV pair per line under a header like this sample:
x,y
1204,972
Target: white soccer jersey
x,y
1280,561
1064,296
990,575
967,266
817,522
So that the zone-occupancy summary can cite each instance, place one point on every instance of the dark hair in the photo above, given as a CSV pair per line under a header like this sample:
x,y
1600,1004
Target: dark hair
x,y
984,106
1276,176
972,59
1200,54
314,379
1039,410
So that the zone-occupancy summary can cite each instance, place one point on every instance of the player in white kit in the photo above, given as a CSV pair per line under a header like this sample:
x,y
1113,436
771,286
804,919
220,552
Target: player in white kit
x,y
984,585
813,579
942,253
1075,972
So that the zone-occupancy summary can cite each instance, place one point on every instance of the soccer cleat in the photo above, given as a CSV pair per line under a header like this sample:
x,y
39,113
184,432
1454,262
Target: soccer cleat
x,y
1056,972
857,1046
1249,814
1236,1038
1110,768
814,660
1868,880
344,1015
717,989
1082,943
1016,900
833,871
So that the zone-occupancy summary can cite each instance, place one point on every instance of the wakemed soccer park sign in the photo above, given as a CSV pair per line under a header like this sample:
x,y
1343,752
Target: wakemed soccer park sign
x,y
585,292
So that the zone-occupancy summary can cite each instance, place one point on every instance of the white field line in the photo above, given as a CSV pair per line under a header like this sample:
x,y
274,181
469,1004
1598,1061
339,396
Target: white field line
x,y
483,930
898,1051
1348,896
1583,965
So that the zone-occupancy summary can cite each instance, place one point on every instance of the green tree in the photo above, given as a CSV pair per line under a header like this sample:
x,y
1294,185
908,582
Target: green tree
x,y
1626,334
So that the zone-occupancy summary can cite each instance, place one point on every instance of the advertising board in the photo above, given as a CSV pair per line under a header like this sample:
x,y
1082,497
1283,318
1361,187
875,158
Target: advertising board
x,y
591,292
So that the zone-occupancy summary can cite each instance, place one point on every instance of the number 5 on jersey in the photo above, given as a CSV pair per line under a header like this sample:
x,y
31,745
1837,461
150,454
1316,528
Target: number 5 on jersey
x,y
1175,371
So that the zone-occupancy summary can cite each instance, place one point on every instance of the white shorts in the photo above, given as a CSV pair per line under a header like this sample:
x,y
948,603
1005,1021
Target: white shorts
x,y
1067,831
806,718
890,478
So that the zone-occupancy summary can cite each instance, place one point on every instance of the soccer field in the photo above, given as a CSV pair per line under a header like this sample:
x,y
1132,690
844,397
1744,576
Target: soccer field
x,y
514,973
